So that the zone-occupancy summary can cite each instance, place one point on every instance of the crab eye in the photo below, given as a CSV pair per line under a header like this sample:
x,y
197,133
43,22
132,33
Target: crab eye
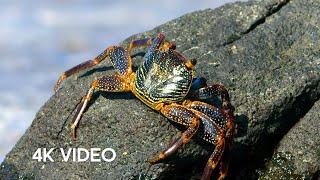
x,y
173,45
190,63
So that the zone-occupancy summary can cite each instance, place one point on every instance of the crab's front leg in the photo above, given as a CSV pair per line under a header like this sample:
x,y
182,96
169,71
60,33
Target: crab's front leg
x,y
213,91
214,160
213,133
181,115
222,121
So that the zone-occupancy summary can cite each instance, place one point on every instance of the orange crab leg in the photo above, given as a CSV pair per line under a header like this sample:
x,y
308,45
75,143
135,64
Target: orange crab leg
x,y
113,52
223,119
111,83
224,164
189,116
213,91
71,71
214,158
215,123
139,43
82,66
183,116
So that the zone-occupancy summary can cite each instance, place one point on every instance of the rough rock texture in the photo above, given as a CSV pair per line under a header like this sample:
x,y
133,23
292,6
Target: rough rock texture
x,y
266,53
298,154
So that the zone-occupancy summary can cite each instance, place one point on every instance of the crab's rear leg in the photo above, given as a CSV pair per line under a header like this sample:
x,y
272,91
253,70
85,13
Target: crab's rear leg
x,y
154,43
139,43
111,83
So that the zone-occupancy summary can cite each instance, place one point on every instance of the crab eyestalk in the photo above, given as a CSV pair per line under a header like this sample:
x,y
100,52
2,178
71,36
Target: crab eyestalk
x,y
190,63
167,45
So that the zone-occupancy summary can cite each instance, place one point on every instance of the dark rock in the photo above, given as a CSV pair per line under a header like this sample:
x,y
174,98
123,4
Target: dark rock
x,y
298,154
266,53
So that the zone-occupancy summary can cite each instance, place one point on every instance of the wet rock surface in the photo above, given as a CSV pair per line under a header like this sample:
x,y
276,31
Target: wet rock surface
x,y
266,53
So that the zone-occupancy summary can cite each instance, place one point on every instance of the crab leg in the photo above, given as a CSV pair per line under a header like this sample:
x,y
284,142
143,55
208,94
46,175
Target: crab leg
x,y
215,123
213,91
83,66
112,83
184,116
214,158
224,164
224,120
119,57
213,133
139,43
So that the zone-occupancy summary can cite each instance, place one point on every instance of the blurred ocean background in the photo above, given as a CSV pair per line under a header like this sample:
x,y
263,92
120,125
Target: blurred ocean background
x,y
41,39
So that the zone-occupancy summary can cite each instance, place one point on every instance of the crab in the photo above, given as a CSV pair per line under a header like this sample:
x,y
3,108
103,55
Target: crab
x,y
166,82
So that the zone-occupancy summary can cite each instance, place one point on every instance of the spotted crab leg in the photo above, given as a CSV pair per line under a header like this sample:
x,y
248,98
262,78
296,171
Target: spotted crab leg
x,y
113,52
119,82
213,91
111,83
181,115
214,159
225,121
195,115
139,43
